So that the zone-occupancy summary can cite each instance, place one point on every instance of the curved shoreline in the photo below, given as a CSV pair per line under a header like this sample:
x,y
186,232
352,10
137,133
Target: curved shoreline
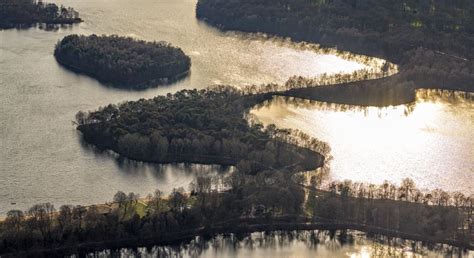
x,y
141,86
201,159
382,92
259,227
123,62
395,89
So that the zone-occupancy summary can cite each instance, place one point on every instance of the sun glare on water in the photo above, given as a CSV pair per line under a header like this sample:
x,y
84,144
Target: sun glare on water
x,y
427,141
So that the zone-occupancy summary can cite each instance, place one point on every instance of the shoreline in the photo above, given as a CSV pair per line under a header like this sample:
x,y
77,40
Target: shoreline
x,y
250,225
414,64
8,26
240,225
328,91
141,86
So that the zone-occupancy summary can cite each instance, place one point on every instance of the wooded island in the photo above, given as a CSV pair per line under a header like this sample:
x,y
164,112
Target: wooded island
x,y
121,61
29,12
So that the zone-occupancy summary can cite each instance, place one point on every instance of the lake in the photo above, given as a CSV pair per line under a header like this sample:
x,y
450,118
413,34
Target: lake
x,y
42,156
43,159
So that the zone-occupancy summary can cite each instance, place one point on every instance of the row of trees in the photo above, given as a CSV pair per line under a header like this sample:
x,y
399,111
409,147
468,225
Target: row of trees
x,y
405,192
42,226
262,199
28,12
156,217
373,68
444,71
376,89
432,215
123,61
299,82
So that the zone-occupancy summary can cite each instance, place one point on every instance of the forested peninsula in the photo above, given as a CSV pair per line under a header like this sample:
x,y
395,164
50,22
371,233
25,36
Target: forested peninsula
x,y
266,192
122,61
432,41
29,12
196,126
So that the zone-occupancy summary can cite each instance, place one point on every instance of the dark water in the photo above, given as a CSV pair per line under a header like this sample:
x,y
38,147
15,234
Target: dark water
x,y
42,158
292,244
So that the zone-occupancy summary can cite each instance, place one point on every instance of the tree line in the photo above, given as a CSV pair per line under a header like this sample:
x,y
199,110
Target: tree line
x,y
29,12
44,231
265,200
123,61
432,215
444,72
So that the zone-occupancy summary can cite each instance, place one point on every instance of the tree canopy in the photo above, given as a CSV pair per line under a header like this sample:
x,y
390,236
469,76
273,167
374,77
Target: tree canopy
x,y
390,25
123,61
205,126
28,12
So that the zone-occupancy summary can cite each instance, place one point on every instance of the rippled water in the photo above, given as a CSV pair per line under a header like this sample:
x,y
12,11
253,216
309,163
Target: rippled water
x,y
42,158
429,141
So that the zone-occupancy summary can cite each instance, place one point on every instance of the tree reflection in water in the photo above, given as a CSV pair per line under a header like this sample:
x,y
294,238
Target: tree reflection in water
x,y
292,244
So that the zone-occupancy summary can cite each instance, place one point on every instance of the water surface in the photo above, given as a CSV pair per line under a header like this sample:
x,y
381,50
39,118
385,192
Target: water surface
x,y
292,244
42,158
429,141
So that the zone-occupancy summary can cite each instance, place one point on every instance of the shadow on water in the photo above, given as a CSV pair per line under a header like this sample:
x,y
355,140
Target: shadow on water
x,y
445,96
327,106
133,167
44,26
146,86
422,95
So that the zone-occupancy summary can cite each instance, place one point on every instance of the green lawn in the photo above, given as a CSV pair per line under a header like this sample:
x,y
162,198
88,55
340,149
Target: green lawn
x,y
132,208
